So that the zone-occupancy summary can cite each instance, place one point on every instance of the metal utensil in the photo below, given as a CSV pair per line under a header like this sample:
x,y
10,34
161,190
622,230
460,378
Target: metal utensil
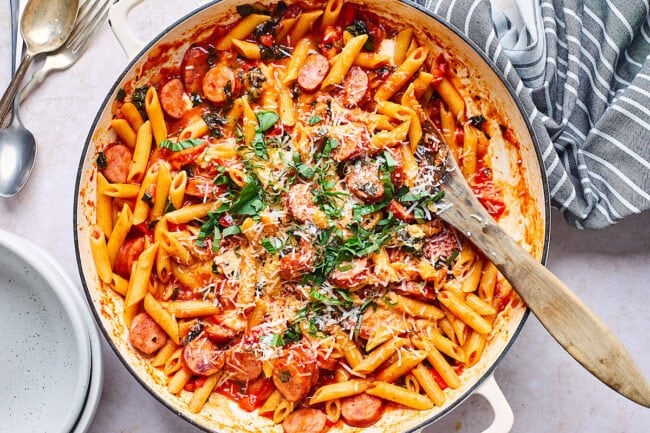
x,y
91,15
17,144
562,313
45,25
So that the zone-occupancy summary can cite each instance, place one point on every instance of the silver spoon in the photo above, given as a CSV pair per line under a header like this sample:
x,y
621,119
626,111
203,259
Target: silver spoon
x,y
45,25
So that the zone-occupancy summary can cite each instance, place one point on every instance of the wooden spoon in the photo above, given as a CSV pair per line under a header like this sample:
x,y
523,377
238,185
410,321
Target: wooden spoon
x,y
562,313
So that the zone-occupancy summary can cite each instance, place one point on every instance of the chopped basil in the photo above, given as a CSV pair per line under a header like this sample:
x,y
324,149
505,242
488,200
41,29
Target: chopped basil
x,y
212,58
196,99
147,198
329,145
121,94
214,121
359,27
273,340
272,245
285,376
101,160
231,231
181,145
477,121
452,256
222,177
248,202
314,120
368,303
139,96
266,119
170,207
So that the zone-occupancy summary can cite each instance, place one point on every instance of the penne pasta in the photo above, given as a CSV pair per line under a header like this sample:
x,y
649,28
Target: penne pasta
x,y
400,395
100,255
104,206
141,153
132,115
155,114
338,390
201,395
344,61
304,23
123,130
464,312
405,71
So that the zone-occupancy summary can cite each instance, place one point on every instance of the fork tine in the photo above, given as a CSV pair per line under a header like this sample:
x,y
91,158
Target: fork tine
x,y
86,10
92,27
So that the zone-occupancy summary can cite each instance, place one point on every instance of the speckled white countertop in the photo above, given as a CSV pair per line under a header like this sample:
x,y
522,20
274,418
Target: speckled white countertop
x,y
548,391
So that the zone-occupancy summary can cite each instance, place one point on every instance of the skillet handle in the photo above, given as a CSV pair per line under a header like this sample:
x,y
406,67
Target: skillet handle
x,y
503,416
117,17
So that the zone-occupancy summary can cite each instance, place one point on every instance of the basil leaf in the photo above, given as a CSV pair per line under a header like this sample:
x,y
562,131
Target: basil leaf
x,y
329,145
477,121
121,94
138,97
230,231
248,202
259,146
272,245
101,160
266,119
314,120
452,256
147,198
181,145
272,340
391,164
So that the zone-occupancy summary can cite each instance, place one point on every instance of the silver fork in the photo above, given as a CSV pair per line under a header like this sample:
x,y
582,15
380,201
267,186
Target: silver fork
x,y
91,15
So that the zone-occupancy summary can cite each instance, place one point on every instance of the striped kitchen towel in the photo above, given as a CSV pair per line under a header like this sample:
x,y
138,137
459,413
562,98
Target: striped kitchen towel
x,y
582,71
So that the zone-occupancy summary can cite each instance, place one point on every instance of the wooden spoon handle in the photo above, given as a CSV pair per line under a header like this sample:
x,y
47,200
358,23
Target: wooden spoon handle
x,y
561,312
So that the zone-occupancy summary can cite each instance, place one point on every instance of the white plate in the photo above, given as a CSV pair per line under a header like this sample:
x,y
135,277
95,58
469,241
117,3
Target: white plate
x,y
97,366
44,343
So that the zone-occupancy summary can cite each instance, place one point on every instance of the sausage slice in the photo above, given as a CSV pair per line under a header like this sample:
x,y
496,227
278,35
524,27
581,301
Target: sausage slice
x,y
118,163
355,86
301,202
294,374
363,181
297,263
128,253
202,357
193,68
305,420
220,85
146,335
173,98
313,72
361,410
243,366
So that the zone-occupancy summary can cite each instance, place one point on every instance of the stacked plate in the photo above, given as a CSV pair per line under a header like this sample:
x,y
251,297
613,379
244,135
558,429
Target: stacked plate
x,y
52,372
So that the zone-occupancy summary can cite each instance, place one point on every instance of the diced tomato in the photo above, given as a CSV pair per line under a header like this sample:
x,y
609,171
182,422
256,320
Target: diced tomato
x,y
267,40
459,136
226,220
439,380
347,16
248,396
489,197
